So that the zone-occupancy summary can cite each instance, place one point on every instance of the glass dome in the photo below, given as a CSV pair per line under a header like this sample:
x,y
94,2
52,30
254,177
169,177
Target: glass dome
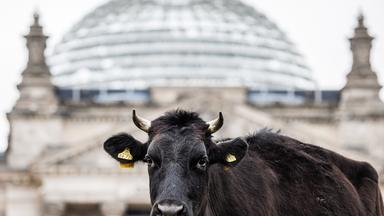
x,y
137,44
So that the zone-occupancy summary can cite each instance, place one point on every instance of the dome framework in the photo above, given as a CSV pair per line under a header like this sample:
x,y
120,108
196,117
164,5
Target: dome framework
x,y
138,44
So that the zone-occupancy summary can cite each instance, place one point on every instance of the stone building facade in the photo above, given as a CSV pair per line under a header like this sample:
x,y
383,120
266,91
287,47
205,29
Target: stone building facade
x,y
55,164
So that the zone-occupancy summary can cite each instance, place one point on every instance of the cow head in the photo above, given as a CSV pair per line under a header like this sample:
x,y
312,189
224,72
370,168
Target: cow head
x,y
179,153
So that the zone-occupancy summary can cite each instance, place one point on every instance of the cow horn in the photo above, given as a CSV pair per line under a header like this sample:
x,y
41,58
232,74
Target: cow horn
x,y
216,124
140,122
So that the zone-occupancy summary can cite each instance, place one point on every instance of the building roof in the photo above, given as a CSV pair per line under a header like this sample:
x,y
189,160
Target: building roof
x,y
137,44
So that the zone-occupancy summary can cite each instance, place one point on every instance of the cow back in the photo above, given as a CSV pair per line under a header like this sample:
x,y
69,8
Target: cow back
x,y
282,176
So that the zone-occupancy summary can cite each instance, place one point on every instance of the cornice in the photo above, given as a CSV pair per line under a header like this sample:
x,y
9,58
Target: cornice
x,y
20,178
71,170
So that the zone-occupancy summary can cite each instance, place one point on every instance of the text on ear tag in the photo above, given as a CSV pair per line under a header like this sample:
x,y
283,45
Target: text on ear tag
x,y
126,154
127,165
230,158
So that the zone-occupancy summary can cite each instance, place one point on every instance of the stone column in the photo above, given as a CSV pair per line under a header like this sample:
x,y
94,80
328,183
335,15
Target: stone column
x,y
22,198
2,199
361,112
360,96
37,92
53,209
113,208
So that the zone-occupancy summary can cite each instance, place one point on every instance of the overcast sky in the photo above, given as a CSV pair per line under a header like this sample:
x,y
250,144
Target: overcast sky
x,y
319,28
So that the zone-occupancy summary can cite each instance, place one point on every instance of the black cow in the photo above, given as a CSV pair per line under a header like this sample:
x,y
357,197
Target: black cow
x,y
265,174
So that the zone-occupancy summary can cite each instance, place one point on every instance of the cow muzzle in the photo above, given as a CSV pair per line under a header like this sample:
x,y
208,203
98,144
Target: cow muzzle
x,y
169,208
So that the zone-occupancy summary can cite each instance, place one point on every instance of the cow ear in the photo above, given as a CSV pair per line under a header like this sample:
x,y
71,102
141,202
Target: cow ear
x,y
229,153
125,149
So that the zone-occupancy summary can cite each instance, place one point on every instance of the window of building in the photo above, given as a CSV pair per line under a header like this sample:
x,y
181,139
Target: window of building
x,y
137,210
82,210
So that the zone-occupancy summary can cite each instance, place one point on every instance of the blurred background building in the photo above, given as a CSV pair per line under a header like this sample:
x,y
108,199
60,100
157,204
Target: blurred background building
x,y
158,55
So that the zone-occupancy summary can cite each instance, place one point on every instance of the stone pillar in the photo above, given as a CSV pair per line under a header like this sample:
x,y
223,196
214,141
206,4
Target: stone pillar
x,y
22,200
35,108
2,199
53,209
113,208
360,95
381,181
361,112
37,93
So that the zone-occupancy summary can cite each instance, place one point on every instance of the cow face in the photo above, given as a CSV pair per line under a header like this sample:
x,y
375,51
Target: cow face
x,y
179,153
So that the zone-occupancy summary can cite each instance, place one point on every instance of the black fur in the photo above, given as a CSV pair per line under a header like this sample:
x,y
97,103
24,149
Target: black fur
x,y
273,175
178,119
283,176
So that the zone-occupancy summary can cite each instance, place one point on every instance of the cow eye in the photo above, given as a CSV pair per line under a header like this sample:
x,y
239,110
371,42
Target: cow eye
x,y
149,161
202,163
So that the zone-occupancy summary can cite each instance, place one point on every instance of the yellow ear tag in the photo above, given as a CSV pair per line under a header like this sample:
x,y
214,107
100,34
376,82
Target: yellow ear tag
x,y
230,158
126,154
226,168
127,165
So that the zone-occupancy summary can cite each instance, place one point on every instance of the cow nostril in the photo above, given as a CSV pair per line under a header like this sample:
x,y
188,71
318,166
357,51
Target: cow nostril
x,y
170,209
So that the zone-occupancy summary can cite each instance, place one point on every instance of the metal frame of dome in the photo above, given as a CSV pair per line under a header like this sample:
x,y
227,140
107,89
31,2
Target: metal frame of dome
x,y
137,44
